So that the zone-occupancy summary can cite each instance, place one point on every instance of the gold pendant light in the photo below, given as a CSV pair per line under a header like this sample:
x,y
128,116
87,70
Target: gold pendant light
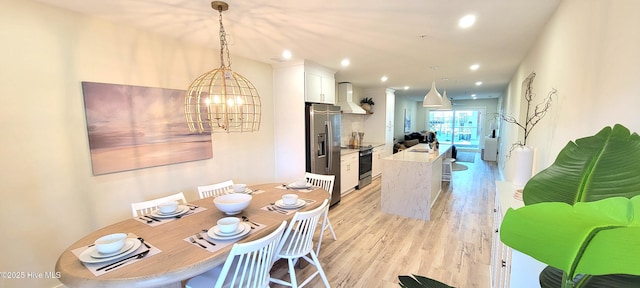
x,y
222,100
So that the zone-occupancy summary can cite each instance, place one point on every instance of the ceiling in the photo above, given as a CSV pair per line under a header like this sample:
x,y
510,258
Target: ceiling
x,y
412,42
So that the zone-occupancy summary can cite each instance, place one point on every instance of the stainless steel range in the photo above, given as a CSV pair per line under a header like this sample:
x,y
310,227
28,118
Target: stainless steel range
x,y
365,163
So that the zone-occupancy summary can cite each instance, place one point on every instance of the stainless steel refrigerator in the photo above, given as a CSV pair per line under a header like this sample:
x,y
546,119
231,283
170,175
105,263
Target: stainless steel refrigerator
x,y
323,142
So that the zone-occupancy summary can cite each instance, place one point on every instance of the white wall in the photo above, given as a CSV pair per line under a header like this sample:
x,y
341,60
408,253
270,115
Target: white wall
x,y
589,52
411,108
50,197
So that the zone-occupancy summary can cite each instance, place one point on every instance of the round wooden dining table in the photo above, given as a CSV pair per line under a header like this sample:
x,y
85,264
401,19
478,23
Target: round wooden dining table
x,y
179,259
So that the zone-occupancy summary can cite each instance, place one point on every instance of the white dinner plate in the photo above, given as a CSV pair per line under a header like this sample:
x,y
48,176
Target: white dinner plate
x,y
294,186
298,204
86,257
181,210
246,191
126,247
246,229
239,230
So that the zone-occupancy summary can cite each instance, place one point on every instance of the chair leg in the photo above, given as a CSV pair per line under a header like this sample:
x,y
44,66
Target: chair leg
x,y
292,273
325,224
320,238
320,270
331,229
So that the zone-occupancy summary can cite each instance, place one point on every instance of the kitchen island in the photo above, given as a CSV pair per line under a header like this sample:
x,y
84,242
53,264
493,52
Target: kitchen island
x,y
412,180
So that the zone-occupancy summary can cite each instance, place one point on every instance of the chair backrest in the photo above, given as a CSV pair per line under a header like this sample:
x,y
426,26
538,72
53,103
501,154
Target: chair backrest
x,y
146,207
324,181
215,190
248,264
298,238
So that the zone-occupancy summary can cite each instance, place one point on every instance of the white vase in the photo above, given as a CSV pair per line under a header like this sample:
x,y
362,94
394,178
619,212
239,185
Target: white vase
x,y
523,156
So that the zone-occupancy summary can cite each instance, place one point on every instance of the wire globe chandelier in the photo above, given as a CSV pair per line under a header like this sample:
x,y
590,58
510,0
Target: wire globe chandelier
x,y
222,100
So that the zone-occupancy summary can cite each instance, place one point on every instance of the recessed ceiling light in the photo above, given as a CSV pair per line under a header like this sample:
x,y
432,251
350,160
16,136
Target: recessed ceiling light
x,y
478,83
474,67
384,79
467,21
286,54
406,87
345,62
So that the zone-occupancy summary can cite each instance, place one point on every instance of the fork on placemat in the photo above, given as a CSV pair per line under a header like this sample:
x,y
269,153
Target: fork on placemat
x,y
202,238
196,242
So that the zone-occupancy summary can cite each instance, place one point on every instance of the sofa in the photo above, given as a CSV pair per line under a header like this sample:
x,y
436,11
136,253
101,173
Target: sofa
x,y
414,136
404,145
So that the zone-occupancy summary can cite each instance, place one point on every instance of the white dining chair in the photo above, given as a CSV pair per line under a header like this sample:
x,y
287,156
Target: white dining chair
x,y
297,243
146,207
247,265
326,183
215,190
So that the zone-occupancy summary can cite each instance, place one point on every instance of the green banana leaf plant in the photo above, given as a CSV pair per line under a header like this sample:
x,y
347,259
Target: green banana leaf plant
x,y
589,169
594,238
420,282
593,168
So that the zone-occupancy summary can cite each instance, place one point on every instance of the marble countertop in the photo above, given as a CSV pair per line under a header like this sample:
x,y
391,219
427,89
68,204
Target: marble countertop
x,y
418,153
372,144
346,151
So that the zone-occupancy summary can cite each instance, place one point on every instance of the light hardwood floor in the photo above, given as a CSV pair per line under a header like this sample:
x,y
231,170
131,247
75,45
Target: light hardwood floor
x,y
373,248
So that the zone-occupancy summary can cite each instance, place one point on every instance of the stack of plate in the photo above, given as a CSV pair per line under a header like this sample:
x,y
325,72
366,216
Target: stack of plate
x,y
216,234
296,186
298,204
179,211
92,255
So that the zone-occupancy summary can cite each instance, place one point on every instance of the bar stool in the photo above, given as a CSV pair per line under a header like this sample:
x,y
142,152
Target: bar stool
x,y
447,168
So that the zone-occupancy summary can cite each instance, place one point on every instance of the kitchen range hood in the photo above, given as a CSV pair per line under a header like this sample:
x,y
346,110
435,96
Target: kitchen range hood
x,y
345,99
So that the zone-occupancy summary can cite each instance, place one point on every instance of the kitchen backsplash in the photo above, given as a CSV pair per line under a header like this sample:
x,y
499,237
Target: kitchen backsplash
x,y
351,123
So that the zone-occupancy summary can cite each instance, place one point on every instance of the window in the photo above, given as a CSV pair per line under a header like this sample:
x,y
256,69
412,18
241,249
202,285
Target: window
x,y
458,127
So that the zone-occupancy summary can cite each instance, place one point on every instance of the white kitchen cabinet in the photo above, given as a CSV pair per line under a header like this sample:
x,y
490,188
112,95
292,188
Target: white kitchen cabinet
x,y
490,152
378,154
510,268
348,172
320,85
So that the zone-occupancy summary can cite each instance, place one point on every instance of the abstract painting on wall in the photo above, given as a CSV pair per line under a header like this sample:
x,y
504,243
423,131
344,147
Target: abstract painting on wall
x,y
407,122
133,127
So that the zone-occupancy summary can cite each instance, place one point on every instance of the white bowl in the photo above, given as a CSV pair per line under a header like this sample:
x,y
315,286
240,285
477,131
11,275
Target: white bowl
x,y
300,182
232,203
239,188
110,243
228,224
289,199
168,207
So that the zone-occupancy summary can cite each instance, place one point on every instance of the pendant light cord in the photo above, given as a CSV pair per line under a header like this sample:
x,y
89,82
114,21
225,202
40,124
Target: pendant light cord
x,y
224,48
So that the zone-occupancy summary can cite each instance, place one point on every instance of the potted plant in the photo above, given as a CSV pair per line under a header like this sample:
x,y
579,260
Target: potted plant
x,y
581,215
591,195
366,103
